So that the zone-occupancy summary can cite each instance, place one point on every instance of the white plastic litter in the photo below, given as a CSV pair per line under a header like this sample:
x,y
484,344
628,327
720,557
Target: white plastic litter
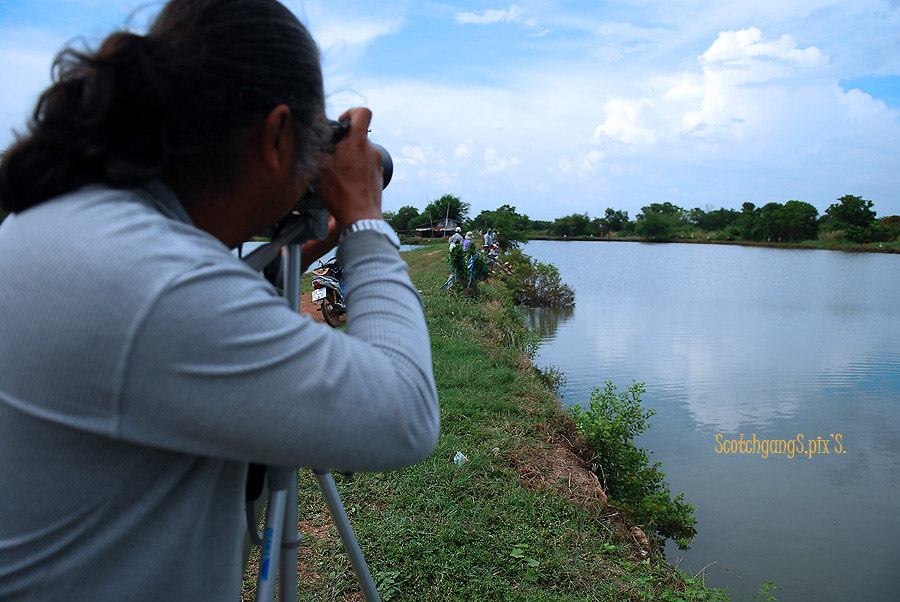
x,y
460,458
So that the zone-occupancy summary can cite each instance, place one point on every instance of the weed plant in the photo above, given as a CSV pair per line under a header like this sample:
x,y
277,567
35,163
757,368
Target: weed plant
x,y
609,427
468,268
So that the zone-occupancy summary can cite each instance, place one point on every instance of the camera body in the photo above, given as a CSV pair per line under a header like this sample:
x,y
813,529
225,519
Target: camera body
x,y
340,128
309,210
308,219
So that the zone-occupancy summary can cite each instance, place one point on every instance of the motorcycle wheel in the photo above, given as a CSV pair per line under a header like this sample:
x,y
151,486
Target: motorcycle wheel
x,y
331,315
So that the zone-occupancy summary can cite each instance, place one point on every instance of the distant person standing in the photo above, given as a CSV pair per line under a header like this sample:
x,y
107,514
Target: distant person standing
x,y
456,239
468,240
488,238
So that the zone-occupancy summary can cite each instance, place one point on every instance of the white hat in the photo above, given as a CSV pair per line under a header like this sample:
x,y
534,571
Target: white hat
x,y
458,229
469,235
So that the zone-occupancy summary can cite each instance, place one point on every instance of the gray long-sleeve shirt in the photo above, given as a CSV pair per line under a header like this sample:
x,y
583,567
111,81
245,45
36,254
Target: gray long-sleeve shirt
x,y
142,366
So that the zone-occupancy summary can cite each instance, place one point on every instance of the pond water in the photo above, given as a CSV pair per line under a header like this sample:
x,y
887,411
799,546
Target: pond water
x,y
740,341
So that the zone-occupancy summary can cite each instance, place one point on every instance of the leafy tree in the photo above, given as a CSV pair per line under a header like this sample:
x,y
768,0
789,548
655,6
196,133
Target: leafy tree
x,y
658,221
770,220
749,223
696,217
795,220
510,224
571,225
666,208
885,229
538,225
400,220
614,219
798,221
423,219
438,209
710,221
849,211
655,226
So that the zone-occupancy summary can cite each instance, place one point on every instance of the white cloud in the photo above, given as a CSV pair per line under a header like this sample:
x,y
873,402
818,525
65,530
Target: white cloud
x,y
747,46
493,163
343,34
639,133
625,122
340,34
463,150
513,14
584,165
746,84
416,154
590,159
728,107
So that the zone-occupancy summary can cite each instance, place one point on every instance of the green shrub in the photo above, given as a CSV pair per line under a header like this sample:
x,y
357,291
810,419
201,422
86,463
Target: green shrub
x,y
609,428
458,265
537,284
467,267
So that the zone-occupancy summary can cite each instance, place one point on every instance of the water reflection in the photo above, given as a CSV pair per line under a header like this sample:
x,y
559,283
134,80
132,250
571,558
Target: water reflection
x,y
769,342
546,320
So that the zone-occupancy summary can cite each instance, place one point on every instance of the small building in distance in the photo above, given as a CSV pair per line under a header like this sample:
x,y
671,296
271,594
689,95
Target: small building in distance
x,y
438,228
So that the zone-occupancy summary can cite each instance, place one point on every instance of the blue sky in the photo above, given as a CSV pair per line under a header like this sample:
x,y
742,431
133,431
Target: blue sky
x,y
560,107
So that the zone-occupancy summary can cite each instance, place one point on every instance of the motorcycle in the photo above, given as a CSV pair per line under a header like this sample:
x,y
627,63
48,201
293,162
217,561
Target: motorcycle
x,y
328,291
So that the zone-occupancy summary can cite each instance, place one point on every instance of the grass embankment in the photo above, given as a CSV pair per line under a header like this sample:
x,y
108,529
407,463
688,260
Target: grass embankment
x,y
523,519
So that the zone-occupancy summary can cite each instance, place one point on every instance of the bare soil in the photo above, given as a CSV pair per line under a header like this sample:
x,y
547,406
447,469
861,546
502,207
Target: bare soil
x,y
310,308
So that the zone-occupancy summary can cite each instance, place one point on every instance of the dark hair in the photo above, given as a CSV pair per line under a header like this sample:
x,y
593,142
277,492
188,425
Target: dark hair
x,y
173,104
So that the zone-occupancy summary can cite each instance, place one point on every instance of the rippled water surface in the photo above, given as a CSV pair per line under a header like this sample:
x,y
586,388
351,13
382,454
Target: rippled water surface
x,y
773,342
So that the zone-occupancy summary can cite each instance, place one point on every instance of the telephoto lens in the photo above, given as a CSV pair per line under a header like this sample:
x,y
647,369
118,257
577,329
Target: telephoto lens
x,y
309,219
340,128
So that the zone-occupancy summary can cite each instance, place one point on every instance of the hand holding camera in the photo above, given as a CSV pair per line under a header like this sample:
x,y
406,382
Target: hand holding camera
x,y
351,182
347,189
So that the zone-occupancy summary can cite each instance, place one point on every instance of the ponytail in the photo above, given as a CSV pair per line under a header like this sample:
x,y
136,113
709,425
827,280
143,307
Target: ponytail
x,y
98,122
172,104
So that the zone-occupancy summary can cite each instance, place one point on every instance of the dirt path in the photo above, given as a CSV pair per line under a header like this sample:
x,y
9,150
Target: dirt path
x,y
308,307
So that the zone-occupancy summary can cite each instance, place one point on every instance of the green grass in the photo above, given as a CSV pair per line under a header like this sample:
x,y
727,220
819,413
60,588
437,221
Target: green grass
x,y
443,532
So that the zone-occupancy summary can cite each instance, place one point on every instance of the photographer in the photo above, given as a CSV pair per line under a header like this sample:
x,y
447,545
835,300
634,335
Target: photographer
x,y
142,365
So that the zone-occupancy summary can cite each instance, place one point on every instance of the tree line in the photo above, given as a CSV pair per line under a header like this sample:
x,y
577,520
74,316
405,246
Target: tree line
x,y
850,218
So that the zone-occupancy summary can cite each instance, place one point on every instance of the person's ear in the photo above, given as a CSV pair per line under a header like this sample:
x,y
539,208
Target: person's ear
x,y
278,140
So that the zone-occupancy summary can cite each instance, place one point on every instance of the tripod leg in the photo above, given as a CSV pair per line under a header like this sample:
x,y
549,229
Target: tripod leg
x,y
287,576
271,548
326,483
333,499
279,538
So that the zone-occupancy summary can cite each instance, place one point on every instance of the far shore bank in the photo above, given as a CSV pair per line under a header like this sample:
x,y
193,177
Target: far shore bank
x,y
849,247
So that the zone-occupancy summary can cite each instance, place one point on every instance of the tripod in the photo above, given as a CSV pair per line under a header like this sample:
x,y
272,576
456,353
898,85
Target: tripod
x,y
279,539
